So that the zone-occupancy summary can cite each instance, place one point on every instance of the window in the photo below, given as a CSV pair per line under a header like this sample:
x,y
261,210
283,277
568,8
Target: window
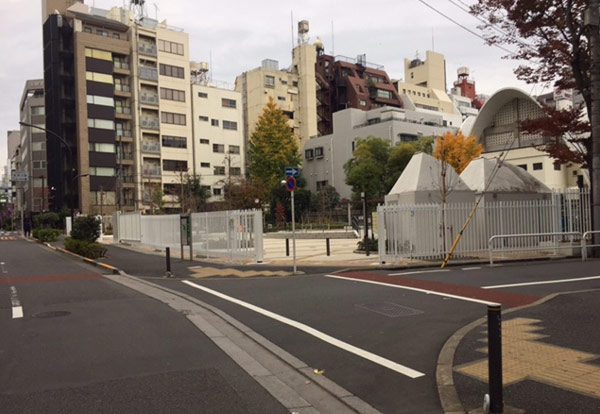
x,y
524,166
39,164
228,103
98,54
556,166
318,152
295,83
281,98
38,110
38,146
174,142
170,47
309,154
217,191
102,171
270,81
172,71
100,100
202,95
234,149
203,118
537,166
172,118
99,77
283,82
363,103
204,141
101,147
321,184
385,94
101,123
101,32
230,125
205,164
172,189
214,122
218,170
175,165
219,148
116,36
87,29
172,94
235,171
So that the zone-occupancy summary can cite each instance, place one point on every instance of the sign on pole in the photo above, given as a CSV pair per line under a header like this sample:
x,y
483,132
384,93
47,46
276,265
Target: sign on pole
x,y
19,176
290,183
292,171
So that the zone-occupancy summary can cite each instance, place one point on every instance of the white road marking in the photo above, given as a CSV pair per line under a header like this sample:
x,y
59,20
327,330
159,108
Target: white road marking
x,y
429,292
544,282
17,309
317,334
419,271
471,268
2,266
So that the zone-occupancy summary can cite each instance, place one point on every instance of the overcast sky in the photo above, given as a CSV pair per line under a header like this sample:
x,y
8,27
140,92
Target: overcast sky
x,y
240,34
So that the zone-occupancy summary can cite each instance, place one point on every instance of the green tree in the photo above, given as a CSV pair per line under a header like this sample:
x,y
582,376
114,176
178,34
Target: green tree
x,y
326,199
272,147
193,194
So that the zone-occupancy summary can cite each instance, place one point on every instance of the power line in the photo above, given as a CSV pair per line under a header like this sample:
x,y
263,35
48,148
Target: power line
x,y
464,27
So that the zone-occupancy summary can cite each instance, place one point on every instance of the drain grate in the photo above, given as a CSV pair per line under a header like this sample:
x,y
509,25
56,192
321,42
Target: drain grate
x,y
389,309
51,314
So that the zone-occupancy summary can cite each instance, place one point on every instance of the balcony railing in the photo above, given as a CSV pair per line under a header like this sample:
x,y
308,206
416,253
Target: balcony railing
x,y
149,98
124,133
151,171
126,156
130,179
148,73
149,123
152,147
129,203
122,65
122,87
123,110
147,49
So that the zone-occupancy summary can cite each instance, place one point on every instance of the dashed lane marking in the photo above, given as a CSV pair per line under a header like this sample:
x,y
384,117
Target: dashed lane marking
x,y
543,282
17,309
394,366
471,268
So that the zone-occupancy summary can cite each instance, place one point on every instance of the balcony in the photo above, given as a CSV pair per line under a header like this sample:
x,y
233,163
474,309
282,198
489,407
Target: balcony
x,y
150,74
129,203
124,135
149,123
151,171
123,112
128,179
149,98
151,147
147,49
121,89
122,65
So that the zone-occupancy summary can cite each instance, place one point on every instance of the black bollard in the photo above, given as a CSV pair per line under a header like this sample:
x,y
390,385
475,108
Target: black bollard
x,y
495,358
168,262
287,247
327,245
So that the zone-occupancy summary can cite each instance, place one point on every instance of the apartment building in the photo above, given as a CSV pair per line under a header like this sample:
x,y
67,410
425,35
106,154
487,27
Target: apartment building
x,y
218,124
32,147
119,86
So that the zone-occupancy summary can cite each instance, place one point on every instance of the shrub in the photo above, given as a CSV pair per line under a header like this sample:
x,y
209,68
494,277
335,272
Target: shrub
x,y
86,228
84,248
372,243
46,235
46,220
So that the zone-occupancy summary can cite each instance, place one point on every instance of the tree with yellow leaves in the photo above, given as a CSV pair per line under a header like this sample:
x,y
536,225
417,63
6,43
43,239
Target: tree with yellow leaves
x,y
457,150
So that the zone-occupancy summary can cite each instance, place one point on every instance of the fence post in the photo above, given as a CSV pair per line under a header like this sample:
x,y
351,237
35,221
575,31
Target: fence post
x,y
327,246
258,235
382,234
494,319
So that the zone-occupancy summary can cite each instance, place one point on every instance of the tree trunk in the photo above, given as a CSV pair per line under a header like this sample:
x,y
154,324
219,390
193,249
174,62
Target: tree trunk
x,y
594,38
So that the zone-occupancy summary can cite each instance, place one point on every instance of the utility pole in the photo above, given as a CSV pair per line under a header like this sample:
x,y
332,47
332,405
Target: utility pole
x,y
592,23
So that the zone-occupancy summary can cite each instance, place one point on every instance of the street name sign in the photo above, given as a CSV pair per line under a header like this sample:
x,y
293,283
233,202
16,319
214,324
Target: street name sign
x,y
19,176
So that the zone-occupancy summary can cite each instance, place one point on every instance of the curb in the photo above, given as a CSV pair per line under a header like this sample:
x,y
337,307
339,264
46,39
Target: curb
x,y
93,262
444,373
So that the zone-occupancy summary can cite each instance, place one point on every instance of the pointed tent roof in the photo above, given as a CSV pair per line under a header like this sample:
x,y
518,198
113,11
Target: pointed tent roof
x,y
423,173
509,178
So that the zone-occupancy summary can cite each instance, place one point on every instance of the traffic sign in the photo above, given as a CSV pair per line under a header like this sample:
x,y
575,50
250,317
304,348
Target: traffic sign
x,y
290,183
292,171
19,176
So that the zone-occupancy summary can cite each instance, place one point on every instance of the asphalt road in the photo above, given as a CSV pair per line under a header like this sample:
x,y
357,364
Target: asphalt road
x,y
74,342
385,319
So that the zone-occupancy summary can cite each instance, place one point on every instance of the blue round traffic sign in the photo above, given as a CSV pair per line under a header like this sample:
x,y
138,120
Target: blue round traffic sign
x,y
290,183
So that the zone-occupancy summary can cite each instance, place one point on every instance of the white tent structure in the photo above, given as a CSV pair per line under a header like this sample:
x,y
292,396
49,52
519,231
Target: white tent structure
x,y
510,183
421,182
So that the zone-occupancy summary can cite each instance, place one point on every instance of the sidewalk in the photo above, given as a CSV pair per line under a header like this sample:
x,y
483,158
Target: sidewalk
x,y
550,358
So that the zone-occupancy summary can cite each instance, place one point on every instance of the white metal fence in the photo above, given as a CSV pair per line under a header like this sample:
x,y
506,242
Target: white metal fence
x,y
427,231
231,234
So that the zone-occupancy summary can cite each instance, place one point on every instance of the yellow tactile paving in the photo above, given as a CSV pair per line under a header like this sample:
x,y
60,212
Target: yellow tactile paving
x,y
200,272
524,358
7,238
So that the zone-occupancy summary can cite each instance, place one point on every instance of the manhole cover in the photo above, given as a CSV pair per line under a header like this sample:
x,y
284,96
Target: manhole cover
x,y
389,309
51,314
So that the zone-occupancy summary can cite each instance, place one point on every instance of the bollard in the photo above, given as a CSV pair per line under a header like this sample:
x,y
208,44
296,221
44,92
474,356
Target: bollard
x,y
168,262
327,246
495,358
287,247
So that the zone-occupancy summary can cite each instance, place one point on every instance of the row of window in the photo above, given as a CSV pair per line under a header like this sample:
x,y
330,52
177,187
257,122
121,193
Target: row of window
x,y
100,100
225,102
99,77
317,152
231,125
170,47
172,118
175,189
173,71
220,148
270,81
98,54
172,94
102,32
537,166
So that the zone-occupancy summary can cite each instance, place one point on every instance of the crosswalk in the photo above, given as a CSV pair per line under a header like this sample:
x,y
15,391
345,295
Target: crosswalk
x,y
7,236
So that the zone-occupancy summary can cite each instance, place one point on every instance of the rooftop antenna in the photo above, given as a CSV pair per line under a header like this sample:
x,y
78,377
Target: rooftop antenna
x,y
292,22
210,65
156,9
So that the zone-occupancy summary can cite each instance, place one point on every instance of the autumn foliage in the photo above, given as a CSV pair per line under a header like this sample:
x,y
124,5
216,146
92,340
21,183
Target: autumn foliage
x,y
457,150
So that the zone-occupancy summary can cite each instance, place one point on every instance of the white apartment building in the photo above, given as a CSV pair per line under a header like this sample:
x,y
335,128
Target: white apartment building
x,y
218,123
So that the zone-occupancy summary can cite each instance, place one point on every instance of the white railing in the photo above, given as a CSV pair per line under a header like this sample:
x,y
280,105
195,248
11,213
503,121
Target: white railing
x,y
585,245
427,231
545,242
236,234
